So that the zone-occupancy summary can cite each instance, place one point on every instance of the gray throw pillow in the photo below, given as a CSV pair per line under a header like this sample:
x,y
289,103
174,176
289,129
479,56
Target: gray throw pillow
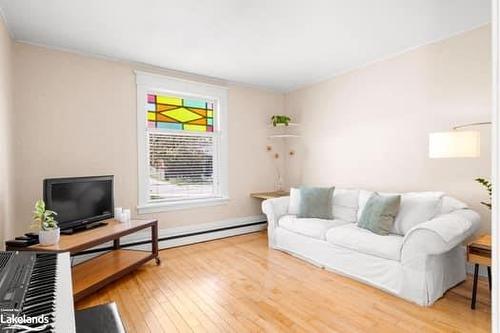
x,y
316,202
380,213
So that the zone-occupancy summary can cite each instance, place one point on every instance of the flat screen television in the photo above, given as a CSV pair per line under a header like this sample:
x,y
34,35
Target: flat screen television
x,y
79,202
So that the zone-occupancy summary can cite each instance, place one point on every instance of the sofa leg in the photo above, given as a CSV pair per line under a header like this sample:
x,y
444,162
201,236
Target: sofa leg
x,y
474,287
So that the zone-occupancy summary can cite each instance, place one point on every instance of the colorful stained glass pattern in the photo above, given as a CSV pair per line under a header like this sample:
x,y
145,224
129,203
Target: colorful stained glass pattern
x,y
169,112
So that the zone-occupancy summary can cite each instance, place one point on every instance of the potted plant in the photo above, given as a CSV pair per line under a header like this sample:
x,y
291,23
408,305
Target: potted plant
x,y
44,221
280,119
489,187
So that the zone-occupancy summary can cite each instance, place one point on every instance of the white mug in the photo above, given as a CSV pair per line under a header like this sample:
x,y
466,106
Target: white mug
x,y
118,213
126,215
120,217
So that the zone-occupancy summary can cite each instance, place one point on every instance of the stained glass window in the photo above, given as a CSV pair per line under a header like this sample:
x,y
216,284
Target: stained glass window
x,y
182,141
175,113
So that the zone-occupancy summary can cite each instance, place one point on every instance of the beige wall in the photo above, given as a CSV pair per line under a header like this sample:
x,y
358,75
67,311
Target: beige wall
x,y
5,112
369,128
76,116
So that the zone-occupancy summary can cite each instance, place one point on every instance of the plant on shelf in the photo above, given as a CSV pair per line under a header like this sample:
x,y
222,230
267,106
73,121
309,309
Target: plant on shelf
x,y
45,222
280,119
487,184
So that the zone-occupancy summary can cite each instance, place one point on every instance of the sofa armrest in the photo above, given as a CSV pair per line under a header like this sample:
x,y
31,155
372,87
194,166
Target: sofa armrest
x,y
440,235
274,210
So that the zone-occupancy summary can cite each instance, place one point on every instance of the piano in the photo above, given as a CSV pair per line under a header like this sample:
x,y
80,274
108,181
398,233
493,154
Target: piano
x,y
36,292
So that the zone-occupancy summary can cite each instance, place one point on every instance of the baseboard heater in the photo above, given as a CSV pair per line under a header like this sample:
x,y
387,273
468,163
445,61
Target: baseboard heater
x,y
197,233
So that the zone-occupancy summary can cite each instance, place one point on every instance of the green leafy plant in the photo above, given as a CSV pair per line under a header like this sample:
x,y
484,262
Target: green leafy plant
x,y
43,219
280,119
487,184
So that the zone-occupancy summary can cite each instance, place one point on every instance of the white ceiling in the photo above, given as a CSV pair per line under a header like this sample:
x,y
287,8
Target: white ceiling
x,y
279,44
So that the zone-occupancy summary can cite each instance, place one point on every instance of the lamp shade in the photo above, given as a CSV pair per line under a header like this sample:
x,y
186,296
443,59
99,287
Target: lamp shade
x,y
454,144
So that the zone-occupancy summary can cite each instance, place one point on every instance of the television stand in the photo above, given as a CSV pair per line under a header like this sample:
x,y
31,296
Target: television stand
x,y
84,227
93,274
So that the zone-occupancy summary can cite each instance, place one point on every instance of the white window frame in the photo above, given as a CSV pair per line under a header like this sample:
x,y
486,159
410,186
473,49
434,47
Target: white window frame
x,y
148,82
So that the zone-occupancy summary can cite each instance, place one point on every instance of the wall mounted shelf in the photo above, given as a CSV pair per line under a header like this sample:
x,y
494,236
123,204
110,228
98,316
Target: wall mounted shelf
x,y
282,131
277,136
285,126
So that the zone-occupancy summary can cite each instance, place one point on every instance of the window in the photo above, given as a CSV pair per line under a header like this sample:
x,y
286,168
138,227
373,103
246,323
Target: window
x,y
182,143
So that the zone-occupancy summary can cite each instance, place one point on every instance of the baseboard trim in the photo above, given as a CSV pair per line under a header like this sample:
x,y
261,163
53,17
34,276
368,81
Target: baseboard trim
x,y
183,235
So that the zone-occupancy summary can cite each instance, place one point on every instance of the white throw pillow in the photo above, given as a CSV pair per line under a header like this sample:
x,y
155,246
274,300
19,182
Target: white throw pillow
x,y
449,204
294,203
345,204
362,200
416,208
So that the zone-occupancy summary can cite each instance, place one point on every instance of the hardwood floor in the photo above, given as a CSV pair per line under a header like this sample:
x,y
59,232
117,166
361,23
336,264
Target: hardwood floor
x,y
239,285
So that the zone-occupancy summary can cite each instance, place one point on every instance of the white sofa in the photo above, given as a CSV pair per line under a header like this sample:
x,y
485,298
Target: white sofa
x,y
419,261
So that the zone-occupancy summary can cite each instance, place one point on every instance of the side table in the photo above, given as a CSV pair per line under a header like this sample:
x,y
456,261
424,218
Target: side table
x,y
479,253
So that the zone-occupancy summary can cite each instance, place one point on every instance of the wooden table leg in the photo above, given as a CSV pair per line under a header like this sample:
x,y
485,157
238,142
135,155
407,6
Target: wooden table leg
x,y
489,277
154,243
474,287
116,243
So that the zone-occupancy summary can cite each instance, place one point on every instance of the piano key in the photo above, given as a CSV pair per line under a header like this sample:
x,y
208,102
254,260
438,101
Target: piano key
x,y
33,300
40,284
65,311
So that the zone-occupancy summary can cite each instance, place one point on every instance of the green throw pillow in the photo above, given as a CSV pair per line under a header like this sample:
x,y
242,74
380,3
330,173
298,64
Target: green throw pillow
x,y
316,202
379,213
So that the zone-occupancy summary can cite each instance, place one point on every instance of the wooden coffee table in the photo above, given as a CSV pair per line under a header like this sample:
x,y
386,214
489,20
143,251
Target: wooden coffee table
x,y
479,253
95,273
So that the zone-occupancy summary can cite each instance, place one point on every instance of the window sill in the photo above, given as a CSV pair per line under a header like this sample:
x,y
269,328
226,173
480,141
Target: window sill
x,y
184,204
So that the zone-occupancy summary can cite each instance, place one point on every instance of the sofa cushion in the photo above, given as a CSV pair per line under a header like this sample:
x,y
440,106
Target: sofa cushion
x,y
345,203
315,228
379,213
449,204
294,203
416,208
352,237
363,198
316,202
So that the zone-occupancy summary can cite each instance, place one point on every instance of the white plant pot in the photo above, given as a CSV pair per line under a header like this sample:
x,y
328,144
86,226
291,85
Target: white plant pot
x,y
49,237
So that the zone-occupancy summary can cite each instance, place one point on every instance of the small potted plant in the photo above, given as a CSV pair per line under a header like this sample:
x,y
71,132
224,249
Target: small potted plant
x,y
44,221
280,119
489,188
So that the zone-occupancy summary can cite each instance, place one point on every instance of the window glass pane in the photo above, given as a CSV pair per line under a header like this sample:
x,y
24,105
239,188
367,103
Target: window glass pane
x,y
170,112
181,166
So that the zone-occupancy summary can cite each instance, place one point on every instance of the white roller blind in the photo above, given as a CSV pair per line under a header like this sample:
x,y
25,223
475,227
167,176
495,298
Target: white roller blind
x,y
181,166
